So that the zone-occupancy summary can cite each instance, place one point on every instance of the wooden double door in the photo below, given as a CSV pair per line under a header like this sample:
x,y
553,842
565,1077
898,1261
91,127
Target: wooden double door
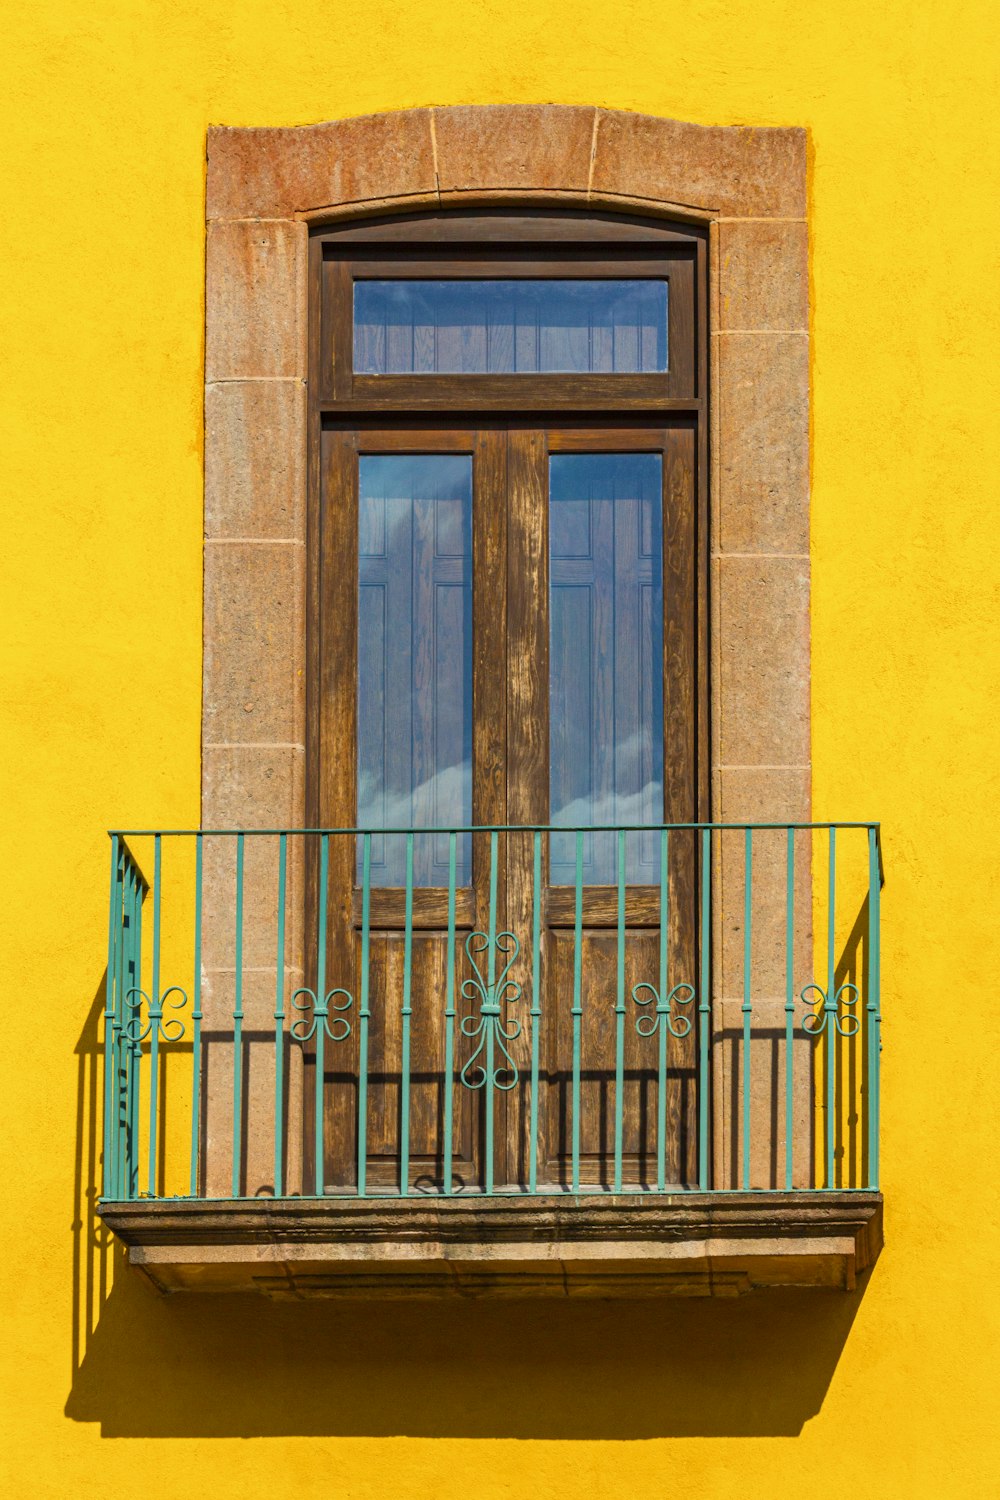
x,y
508,640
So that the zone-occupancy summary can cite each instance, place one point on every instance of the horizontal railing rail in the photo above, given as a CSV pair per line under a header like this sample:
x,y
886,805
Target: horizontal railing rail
x,y
530,1009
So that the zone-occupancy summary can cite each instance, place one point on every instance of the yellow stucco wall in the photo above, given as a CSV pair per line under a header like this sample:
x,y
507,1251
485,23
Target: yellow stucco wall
x,y
102,118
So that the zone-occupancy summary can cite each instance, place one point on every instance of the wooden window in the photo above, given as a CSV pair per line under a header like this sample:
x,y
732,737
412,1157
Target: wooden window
x,y
507,626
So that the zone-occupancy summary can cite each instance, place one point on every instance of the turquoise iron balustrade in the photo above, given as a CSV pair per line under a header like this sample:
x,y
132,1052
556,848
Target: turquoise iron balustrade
x,y
157,1028
489,1025
830,1123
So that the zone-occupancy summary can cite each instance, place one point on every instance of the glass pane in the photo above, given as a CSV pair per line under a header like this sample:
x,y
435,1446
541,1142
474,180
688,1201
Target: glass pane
x,y
509,327
415,660
606,660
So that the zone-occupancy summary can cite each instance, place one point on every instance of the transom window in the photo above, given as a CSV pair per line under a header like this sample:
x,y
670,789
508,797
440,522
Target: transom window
x,y
510,327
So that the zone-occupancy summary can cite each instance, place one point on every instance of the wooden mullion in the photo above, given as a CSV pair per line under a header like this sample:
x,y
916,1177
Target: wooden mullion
x,y
527,738
513,393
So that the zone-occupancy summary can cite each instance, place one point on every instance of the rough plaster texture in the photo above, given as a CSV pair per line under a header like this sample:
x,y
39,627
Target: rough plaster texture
x,y
104,114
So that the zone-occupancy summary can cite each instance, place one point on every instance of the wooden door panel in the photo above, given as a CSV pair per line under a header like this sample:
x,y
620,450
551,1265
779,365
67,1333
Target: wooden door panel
x,y
598,1028
428,989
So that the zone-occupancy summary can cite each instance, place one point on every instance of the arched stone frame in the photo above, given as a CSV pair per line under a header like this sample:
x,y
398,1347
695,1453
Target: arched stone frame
x,y
264,187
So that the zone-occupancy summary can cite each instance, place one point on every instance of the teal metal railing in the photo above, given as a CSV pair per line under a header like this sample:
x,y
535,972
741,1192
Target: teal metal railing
x,y
289,1025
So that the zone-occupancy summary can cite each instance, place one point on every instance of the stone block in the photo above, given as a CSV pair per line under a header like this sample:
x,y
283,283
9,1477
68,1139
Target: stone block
x,y
255,301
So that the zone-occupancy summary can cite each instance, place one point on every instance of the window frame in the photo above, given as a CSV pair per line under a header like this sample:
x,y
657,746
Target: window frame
x,y
488,243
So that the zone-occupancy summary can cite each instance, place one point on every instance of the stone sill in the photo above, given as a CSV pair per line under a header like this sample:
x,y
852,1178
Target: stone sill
x,y
690,1244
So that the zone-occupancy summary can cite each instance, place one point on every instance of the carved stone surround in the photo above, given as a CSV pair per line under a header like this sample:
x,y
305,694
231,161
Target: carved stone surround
x,y
264,188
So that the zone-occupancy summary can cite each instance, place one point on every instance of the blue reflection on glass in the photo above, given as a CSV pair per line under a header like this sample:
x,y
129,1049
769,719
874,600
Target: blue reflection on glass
x,y
415,660
606,660
514,327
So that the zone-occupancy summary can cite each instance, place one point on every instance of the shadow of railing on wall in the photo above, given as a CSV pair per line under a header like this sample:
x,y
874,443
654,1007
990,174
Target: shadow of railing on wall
x,y
144,1365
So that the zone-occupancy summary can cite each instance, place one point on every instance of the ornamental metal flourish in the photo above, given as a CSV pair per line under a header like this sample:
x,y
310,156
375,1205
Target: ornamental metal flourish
x,y
650,1022
489,1025
170,1029
336,1027
829,1018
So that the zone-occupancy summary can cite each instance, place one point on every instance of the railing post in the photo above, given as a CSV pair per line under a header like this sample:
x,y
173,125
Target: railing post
x,y
449,1020
620,1016
491,982
109,1162
319,1016
238,1025
664,1026
874,1017
789,1006
747,1008
196,1018
830,1009
363,1015
577,1006
404,1110
154,1020
536,1005
134,980
704,1008
123,1049
279,1022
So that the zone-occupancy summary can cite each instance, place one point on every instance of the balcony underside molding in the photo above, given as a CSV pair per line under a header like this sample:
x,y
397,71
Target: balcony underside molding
x,y
686,1244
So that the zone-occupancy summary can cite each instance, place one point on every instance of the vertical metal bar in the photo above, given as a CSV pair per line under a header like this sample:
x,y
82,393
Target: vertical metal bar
x,y
364,1013
491,990
126,962
122,1099
449,1017
279,1022
704,1006
135,1049
110,1033
789,1004
404,1104
536,1008
662,1031
620,1017
746,1006
577,1007
154,1020
238,1023
319,1017
874,945
196,1018
830,1019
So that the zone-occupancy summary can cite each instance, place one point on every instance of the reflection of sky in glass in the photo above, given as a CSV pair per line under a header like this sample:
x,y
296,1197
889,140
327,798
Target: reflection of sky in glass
x,y
606,659
510,327
415,660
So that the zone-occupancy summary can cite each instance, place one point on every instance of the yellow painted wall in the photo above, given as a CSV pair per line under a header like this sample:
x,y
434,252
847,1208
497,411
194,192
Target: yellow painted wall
x,y
103,111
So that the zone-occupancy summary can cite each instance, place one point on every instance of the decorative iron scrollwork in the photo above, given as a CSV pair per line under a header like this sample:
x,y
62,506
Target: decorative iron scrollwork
x,y
489,1025
819,1020
336,1027
649,1023
170,1029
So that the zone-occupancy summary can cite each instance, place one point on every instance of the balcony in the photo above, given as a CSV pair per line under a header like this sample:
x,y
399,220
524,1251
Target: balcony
x,y
494,1061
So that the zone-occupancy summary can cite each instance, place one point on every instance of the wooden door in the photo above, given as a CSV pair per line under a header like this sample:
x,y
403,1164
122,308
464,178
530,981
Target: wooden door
x,y
414,726
602,631
515,644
